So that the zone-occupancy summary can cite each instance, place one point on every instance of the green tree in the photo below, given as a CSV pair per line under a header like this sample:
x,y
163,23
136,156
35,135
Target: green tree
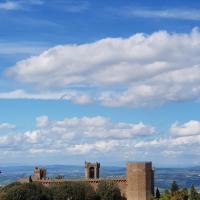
x,y
108,190
194,194
157,194
180,195
185,194
166,195
28,191
73,191
90,194
174,188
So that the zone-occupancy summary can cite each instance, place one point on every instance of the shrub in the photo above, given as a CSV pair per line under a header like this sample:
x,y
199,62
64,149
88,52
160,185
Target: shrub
x,y
28,191
166,195
108,190
73,191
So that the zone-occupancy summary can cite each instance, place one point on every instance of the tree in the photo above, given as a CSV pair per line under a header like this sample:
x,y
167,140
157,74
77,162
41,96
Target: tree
x,y
174,188
90,194
166,195
30,191
73,191
185,194
180,195
66,190
157,194
108,190
194,194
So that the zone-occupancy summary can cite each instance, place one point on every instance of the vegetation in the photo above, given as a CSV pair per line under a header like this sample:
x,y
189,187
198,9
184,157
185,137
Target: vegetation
x,y
73,191
108,190
157,194
28,191
194,194
64,191
178,194
174,188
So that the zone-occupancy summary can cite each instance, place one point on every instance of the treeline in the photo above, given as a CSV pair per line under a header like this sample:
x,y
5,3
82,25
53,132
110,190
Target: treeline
x,y
107,190
175,193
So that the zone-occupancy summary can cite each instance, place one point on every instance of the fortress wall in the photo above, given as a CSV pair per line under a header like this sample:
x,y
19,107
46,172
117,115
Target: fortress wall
x,y
137,185
121,183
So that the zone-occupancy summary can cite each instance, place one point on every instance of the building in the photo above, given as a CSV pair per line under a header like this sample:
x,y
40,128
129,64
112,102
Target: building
x,y
39,174
138,184
92,170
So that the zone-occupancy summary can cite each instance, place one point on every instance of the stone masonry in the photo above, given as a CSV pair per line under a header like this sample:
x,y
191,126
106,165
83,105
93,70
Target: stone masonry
x,y
137,185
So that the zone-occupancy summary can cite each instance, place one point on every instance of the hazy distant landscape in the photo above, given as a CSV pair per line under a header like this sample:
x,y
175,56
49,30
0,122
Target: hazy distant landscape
x,y
185,177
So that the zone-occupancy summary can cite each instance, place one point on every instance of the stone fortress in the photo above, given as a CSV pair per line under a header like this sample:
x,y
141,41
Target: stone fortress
x,y
138,184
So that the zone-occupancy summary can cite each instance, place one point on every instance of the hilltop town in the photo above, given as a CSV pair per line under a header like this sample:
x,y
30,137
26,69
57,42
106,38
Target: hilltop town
x,y
138,183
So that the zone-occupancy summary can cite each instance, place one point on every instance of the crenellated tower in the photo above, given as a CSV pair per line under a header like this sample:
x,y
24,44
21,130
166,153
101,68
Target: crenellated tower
x,y
92,170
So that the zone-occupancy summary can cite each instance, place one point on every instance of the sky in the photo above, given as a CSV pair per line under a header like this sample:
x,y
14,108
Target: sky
x,y
109,81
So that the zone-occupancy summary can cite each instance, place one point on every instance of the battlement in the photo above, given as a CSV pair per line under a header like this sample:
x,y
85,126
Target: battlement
x,y
138,184
92,170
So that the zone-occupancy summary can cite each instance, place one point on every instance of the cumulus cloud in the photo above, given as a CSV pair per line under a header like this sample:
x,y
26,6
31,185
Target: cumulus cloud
x,y
101,127
181,140
187,129
102,137
99,146
139,71
75,135
42,121
168,142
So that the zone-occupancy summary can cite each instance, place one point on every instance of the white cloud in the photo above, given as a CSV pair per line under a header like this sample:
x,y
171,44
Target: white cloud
x,y
74,96
10,5
100,147
19,5
171,153
181,14
187,129
75,135
32,137
102,137
100,127
7,126
42,121
140,71
21,94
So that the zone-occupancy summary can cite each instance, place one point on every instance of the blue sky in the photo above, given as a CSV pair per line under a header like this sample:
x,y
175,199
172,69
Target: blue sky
x,y
99,80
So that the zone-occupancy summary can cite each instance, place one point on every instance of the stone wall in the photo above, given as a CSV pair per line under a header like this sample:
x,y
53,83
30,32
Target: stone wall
x,y
121,183
137,185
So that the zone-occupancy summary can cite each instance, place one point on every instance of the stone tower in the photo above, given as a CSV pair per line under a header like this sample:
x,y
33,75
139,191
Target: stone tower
x,y
92,170
140,181
39,173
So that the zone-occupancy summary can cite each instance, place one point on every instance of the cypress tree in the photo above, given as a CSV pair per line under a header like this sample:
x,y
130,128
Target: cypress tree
x,y
193,193
174,187
157,194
